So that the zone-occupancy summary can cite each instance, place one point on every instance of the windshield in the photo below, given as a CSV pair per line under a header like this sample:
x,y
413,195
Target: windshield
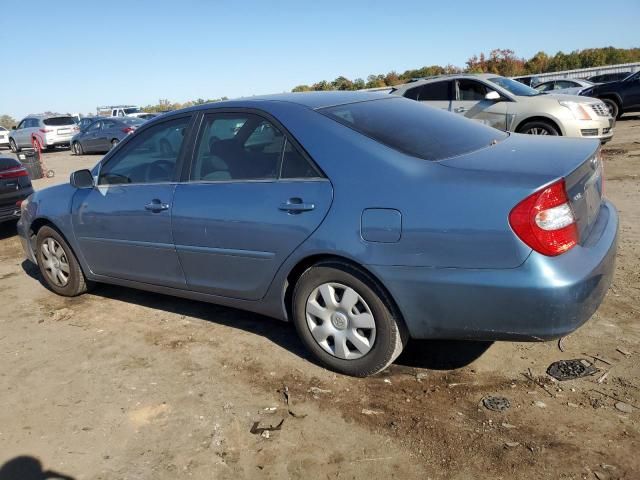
x,y
514,87
129,111
414,128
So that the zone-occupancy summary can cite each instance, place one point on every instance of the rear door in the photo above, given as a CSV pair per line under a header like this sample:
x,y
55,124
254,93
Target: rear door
x,y
123,225
631,92
470,102
251,198
107,133
90,139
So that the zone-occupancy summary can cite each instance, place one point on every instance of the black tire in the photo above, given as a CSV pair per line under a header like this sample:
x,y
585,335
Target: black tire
x,y
614,108
539,127
77,283
12,145
77,148
391,335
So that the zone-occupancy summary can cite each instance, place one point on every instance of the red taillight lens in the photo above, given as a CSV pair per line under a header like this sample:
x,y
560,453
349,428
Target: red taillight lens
x,y
128,130
545,221
14,172
46,130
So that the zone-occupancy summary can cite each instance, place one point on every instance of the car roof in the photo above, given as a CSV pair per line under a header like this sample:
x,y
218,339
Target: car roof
x,y
312,100
450,76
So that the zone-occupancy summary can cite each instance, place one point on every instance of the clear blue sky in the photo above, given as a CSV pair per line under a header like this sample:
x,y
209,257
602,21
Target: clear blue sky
x,y
70,55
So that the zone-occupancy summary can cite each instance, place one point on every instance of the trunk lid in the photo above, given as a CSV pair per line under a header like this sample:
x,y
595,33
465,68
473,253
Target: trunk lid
x,y
534,162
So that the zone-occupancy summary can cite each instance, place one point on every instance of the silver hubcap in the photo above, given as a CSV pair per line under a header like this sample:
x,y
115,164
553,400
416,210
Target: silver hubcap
x,y
340,321
55,263
538,131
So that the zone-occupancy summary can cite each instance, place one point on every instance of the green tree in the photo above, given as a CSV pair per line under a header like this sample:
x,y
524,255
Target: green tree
x,y
7,121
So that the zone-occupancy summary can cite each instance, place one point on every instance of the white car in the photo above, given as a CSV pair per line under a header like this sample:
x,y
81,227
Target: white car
x,y
43,132
4,137
568,86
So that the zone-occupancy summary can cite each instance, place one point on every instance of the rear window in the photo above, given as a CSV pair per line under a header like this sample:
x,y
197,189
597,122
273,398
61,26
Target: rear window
x,y
414,128
6,163
59,121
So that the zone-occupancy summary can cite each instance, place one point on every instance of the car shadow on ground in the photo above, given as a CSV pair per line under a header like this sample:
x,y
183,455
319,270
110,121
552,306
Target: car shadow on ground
x,y
428,354
28,468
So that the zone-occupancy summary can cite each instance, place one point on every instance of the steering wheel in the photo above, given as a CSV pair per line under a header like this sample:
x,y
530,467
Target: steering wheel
x,y
160,170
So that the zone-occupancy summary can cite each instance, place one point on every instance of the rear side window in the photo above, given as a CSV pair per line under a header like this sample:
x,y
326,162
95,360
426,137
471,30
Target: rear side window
x,y
59,121
436,91
414,128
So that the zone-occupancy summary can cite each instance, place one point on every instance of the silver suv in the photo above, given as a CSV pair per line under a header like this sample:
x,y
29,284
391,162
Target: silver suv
x,y
512,106
43,131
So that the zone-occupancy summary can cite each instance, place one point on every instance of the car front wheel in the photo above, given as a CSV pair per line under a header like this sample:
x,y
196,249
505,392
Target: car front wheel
x,y
538,127
347,320
614,110
58,265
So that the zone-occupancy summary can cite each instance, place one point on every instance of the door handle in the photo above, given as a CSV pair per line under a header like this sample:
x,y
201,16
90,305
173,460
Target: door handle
x,y
156,206
460,109
296,205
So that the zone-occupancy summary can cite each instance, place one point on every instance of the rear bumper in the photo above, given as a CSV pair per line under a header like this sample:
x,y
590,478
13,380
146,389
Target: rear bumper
x,y
544,298
9,209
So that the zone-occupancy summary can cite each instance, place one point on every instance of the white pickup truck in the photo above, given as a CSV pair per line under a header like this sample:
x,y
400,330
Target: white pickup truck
x,y
119,111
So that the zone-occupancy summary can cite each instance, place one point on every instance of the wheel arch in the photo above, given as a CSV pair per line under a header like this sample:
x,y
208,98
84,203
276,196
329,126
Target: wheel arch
x,y
40,222
307,262
540,118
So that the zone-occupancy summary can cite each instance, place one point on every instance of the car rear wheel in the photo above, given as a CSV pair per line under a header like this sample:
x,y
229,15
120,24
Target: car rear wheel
x,y
613,107
12,145
538,127
77,148
347,320
58,265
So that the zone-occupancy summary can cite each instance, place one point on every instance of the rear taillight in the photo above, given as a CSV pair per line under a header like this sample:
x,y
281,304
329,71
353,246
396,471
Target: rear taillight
x,y
14,172
46,130
128,130
545,221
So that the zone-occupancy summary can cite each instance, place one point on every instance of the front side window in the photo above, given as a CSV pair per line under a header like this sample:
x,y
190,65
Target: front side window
x,y
94,127
436,91
565,84
470,90
143,160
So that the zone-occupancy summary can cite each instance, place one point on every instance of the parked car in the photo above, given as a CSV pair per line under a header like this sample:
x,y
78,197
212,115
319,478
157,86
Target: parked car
x,y
363,218
147,116
104,134
120,111
572,86
512,106
43,132
609,77
620,97
15,187
4,137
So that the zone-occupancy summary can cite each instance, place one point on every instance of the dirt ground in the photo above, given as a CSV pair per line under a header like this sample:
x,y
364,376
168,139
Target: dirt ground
x,y
123,384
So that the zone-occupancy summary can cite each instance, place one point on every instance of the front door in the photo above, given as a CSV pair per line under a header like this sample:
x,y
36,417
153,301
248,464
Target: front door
x,y
123,225
470,102
631,92
251,199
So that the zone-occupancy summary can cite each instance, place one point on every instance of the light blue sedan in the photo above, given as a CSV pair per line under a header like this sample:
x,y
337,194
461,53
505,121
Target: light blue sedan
x,y
363,218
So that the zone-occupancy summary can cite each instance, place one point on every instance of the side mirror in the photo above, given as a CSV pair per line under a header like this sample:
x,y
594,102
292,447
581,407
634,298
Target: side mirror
x,y
493,96
13,128
81,179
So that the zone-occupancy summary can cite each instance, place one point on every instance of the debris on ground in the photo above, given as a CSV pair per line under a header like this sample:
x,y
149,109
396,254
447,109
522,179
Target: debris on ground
x,y
596,357
603,377
561,344
540,404
624,407
571,369
529,376
508,426
289,403
496,404
256,429
317,390
421,376
623,352
61,314
512,444
366,411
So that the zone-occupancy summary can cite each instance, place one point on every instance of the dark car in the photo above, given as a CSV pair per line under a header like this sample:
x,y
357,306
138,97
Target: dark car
x,y
15,186
366,219
609,77
620,97
104,134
